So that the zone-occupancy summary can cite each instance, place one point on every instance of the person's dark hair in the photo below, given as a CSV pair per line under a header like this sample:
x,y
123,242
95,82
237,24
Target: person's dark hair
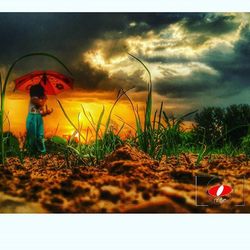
x,y
37,90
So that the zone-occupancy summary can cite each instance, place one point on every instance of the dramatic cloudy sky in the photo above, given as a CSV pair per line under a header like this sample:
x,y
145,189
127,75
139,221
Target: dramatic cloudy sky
x,y
195,59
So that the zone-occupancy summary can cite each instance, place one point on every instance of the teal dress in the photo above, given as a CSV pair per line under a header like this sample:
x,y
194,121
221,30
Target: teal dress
x,y
35,130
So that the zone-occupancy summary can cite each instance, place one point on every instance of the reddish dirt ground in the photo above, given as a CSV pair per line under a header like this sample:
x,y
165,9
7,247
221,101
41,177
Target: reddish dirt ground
x,y
127,181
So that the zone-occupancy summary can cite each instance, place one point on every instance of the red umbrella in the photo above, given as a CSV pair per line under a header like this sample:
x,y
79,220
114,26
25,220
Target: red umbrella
x,y
53,82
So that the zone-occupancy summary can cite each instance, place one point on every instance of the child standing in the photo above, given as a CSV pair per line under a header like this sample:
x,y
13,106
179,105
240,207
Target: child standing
x,y
34,122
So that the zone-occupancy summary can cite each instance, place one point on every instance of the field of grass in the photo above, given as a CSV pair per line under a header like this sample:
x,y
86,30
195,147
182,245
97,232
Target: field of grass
x,y
160,140
156,133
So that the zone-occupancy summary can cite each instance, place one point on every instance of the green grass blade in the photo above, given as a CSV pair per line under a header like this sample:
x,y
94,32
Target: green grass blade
x,y
166,119
98,126
160,115
186,115
121,92
154,120
69,120
59,140
147,122
120,129
150,85
89,120
122,120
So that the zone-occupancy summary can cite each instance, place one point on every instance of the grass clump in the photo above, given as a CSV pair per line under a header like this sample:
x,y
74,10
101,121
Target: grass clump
x,y
99,139
162,135
246,145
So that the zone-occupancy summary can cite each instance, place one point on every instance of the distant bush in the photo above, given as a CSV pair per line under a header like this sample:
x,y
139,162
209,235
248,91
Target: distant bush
x,y
209,125
236,117
246,144
218,126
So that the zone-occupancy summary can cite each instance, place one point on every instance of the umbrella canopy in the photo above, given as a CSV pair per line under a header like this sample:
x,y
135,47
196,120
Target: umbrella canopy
x,y
52,82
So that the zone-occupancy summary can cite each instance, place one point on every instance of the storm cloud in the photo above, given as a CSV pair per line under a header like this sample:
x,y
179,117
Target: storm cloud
x,y
190,55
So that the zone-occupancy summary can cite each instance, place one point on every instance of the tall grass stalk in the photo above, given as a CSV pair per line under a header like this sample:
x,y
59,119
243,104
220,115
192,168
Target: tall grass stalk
x,y
144,131
159,136
69,120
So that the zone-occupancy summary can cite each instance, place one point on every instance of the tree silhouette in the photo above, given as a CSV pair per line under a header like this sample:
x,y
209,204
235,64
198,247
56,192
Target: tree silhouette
x,y
236,122
209,125
217,126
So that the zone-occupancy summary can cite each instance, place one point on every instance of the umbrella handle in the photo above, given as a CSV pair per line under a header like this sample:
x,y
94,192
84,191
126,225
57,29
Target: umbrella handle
x,y
43,79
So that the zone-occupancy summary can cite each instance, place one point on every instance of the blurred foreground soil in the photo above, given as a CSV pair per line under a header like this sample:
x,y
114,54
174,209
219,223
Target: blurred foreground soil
x,y
127,181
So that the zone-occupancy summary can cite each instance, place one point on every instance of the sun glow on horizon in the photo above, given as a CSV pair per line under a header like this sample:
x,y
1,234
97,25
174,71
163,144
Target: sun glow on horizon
x,y
73,103
17,110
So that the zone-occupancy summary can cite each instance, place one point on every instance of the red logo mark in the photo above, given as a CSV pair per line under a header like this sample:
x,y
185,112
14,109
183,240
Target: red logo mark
x,y
220,190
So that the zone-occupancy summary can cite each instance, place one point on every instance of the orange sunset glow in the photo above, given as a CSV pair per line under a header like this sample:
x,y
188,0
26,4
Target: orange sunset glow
x,y
17,109
93,102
